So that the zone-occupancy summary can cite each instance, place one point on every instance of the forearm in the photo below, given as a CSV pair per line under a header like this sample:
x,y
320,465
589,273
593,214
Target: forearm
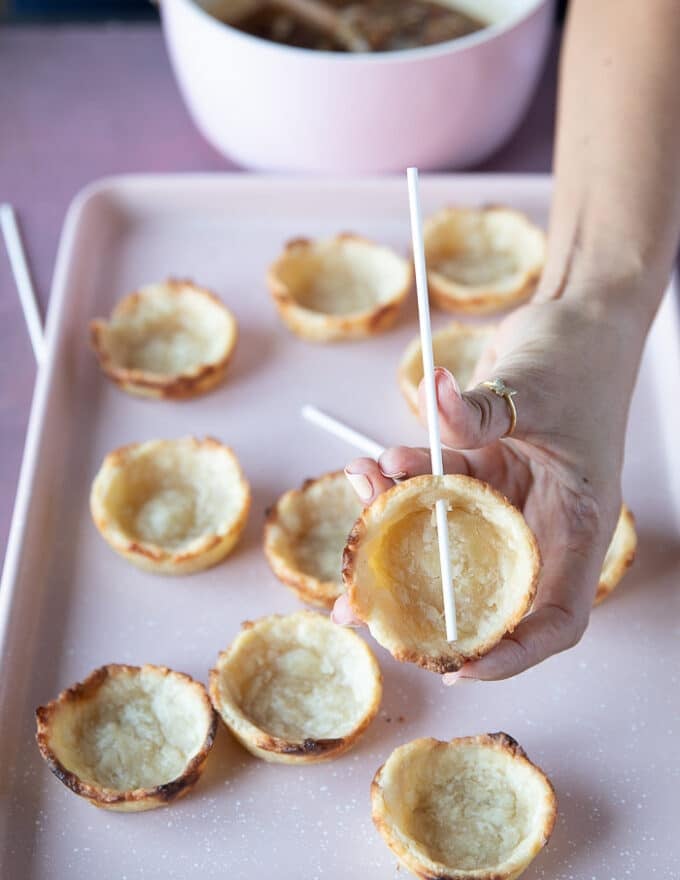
x,y
615,221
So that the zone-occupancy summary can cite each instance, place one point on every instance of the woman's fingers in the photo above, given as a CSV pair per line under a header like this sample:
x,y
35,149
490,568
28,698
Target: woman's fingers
x,y
401,462
475,418
562,607
342,613
366,478
547,631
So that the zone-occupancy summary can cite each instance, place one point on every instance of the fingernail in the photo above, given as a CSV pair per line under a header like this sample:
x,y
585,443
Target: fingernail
x,y
451,678
445,381
361,485
387,469
340,621
402,475
397,475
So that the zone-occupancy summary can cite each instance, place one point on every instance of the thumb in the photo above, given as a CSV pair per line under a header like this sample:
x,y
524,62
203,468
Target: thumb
x,y
472,419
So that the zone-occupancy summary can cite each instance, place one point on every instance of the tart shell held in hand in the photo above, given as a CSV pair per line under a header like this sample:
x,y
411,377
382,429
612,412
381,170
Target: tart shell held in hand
x,y
296,689
305,535
171,506
482,259
339,288
171,340
392,573
128,738
474,808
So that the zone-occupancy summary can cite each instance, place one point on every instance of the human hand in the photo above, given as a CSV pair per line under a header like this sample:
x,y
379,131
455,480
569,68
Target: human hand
x,y
573,366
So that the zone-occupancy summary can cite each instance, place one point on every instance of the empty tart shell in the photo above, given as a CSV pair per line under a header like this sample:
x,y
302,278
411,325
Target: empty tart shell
x,y
128,738
171,506
456,347
305,536
296,689
620,554
474,808
172,339
392,573
340,288
482,259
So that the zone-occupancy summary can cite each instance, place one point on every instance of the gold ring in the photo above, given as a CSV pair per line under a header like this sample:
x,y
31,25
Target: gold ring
x,y
499,388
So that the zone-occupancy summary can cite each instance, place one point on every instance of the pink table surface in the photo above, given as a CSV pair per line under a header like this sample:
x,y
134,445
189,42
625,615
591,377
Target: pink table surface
x,y
82,102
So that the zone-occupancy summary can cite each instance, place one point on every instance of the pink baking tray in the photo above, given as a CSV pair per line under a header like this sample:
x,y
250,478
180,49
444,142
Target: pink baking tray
x,y
601,719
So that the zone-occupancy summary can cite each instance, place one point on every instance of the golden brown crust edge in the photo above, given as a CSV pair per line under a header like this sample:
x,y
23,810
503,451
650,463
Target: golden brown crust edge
x,y
319,327
609,582
175,386
482,303
138,799
443,291
407,387
211,550
500,741
309,589
281,751
441,664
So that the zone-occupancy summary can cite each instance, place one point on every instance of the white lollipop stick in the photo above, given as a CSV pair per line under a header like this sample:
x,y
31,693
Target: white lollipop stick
x,y
22,279
349,435
431,400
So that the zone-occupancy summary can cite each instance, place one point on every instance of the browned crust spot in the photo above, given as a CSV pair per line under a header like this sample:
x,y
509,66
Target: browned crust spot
x,y
308,750
307,588
322,327
105,797
501,741
171,386
185,562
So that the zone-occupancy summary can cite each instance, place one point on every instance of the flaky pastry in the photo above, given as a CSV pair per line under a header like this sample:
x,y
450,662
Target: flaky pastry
x,y
474,808
128,738
296,689
305,535
171,506
482,259
172,339
392,572
620,554
339,288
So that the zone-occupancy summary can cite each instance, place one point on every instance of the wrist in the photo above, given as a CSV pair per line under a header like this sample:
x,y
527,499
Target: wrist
x,y
623,294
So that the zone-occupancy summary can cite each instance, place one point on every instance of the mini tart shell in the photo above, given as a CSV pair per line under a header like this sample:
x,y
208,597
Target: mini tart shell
x,y
137,799
202,552
320,326
178,384
261,743
278,538
432,651
492,295
456,337
410,853
620,554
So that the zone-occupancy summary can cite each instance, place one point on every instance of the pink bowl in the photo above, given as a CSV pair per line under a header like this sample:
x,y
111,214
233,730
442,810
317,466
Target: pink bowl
x,y
274,107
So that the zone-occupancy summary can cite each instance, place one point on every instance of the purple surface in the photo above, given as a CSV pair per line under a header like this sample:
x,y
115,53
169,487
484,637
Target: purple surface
x,y
82,102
